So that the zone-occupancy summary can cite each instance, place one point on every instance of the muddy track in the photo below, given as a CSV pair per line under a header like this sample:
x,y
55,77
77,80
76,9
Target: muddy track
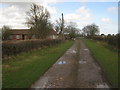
x,y
75,69
89,72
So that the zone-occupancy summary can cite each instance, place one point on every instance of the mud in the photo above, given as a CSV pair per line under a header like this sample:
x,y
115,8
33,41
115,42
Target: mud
x,y
75,69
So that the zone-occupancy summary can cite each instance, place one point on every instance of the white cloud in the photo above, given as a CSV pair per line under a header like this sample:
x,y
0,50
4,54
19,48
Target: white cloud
x,y
83,23
52,10
71,17
107,20
82,9
81,13
14,14
113,10
84,12
52,1
46,4
108,29
82,16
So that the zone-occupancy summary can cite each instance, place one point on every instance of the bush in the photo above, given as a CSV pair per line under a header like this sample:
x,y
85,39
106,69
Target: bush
x,y
13,48
72,35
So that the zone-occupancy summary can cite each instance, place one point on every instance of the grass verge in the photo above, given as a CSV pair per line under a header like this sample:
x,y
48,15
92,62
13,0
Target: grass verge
x,y
107,58
23,70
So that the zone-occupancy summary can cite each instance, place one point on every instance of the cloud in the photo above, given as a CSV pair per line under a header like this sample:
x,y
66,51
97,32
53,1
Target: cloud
x,y
47,4
84,12
108,29
113,10
51,9
51,1
81,13
107,20
82,16
109,26
14,14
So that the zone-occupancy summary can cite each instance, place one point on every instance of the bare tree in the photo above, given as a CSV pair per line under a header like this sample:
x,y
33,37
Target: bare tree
x,y
72,29
5,32
59,25
38,21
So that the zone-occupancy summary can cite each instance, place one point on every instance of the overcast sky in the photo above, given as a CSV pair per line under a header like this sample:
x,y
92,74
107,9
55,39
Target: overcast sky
x,y
104,14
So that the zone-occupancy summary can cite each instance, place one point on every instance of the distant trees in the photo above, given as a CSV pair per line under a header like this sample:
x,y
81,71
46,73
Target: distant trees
x,y
5,32
38,21
91,30
71,29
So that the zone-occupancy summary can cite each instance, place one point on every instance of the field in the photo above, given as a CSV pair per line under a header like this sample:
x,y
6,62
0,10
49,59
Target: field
x,y
24,69
107,58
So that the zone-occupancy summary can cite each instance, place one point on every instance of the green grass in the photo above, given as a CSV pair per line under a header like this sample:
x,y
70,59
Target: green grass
x,y
23,70
107,58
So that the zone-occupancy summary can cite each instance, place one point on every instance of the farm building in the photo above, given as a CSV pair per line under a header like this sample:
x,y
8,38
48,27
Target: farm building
x,y
19,34
23,34
53,34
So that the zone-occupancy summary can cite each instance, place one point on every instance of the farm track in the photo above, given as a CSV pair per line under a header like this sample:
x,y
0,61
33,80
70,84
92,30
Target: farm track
x,y
75,69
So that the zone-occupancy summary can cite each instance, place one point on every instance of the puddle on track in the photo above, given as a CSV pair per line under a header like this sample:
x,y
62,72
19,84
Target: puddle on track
x,y
82,62
61,62
73,51
102,85
86,49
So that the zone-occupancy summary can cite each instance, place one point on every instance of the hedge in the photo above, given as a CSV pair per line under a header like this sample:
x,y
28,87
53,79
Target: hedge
x,y
111,40
10,48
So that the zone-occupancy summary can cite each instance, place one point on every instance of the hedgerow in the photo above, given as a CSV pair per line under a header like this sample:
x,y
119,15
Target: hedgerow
x,y
110,39
10,48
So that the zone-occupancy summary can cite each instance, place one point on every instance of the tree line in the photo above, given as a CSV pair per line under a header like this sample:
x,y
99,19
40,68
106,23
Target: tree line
x,y
38,20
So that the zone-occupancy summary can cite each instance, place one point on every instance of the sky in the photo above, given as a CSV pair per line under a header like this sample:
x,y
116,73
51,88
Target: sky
x,y
102,13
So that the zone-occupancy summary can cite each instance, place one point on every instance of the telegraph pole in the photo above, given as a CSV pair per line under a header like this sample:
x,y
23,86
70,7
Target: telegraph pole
x,y
62,24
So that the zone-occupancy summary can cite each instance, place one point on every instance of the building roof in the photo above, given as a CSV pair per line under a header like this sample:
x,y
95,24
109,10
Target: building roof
x,y
52,32
19,31
27,31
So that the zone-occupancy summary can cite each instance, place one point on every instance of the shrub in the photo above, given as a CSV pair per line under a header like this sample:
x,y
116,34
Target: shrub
x,y
13,48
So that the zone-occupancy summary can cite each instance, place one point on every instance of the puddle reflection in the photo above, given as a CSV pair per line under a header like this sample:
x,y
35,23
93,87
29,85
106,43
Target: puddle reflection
x,y
61,62
102,85
82,62
86,49
73,51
